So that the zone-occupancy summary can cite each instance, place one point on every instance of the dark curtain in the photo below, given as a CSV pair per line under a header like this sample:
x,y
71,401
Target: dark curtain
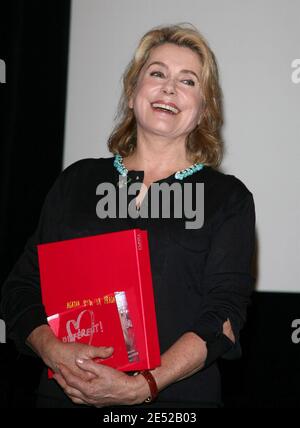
x,y
34,45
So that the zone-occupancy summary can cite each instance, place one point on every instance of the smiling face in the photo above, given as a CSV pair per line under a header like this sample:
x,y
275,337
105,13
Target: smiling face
x,y
167,98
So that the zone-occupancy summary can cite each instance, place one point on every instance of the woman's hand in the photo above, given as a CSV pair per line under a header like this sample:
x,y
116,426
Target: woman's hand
x,y
87,382
108,386
55,353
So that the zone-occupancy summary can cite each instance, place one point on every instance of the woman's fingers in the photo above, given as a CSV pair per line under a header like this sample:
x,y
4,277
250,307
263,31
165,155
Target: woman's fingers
x,y
78,401
75,395
89,366
92,392
99,352
60,380
71,379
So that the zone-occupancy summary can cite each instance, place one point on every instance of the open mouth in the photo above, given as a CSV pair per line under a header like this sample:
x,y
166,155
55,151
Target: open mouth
x,y
165,108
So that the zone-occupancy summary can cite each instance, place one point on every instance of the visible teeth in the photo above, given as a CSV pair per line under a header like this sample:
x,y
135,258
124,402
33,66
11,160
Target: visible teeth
x,y
165,107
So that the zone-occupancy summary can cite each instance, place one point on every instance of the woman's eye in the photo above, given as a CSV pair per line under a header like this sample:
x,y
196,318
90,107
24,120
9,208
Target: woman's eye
x,y
189,82
156,74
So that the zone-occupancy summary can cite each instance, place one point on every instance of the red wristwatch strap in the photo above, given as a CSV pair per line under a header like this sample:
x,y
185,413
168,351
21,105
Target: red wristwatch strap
x,y
152,385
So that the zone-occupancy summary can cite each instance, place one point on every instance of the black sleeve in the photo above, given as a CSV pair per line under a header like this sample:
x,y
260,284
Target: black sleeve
x,y
21,303
228,282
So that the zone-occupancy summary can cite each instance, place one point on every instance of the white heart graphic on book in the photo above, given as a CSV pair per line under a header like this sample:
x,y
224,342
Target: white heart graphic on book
x,y
80,333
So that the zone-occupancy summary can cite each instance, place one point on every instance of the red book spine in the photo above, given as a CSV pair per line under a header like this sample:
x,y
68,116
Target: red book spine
x,y
147,298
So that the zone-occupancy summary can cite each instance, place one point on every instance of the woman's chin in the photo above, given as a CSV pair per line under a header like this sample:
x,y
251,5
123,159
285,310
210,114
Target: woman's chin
x,y
162,132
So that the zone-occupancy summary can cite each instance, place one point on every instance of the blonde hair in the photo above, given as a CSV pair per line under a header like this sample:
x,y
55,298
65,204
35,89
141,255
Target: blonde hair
x,y
204,142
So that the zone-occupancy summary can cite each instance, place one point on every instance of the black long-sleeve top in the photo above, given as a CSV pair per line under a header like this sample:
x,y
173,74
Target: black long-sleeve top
x,y
201,277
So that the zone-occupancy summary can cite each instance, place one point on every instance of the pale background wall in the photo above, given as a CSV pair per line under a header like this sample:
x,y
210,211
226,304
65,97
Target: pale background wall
x,y
256,44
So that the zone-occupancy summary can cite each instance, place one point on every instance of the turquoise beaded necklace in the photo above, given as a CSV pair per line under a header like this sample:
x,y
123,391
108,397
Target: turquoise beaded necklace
x,y
179,175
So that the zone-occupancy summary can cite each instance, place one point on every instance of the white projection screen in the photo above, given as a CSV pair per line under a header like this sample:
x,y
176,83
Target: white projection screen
x,y
257,46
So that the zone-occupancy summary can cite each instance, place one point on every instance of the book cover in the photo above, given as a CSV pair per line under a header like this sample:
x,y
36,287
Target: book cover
x,y
79,272
97,325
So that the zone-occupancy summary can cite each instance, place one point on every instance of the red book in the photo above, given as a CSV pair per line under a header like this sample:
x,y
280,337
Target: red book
x,y
79,272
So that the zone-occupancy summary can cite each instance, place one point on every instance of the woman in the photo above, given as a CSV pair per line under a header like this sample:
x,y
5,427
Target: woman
x,y
169,132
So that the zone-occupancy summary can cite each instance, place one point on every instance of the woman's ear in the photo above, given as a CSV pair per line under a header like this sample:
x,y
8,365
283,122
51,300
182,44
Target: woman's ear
x,y
130,103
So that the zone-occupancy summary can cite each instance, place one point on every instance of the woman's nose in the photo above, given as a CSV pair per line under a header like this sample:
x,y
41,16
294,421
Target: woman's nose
x,y
169,87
